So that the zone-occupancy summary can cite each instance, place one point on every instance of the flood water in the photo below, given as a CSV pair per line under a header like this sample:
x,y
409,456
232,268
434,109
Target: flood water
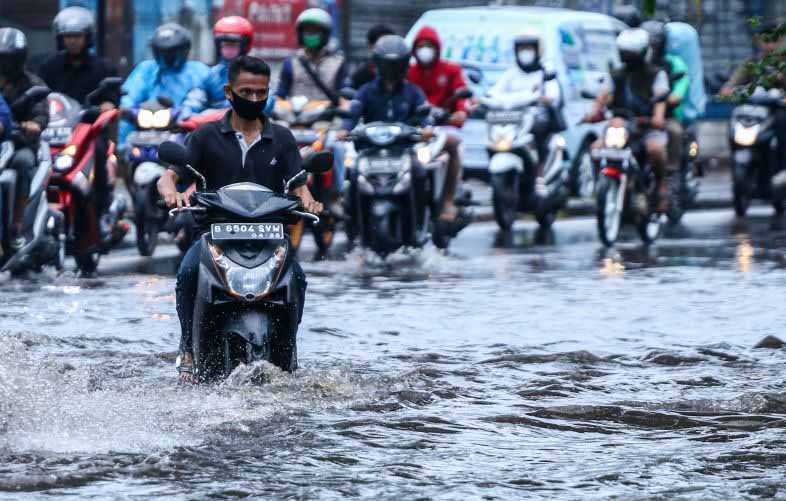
x,y
505,370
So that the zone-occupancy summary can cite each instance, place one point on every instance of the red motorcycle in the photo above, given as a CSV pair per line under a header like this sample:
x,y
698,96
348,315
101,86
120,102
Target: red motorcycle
x,y
79,139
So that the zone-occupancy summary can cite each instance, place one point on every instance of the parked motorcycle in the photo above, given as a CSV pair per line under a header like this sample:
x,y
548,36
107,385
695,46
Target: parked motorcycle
x,y
79,141
627,188
310,121
396,186
757,172
42,226
156,122
514,161
249,297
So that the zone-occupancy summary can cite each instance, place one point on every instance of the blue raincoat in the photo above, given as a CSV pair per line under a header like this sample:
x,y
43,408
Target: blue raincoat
x,y
683,41
5,118
149,80
210,95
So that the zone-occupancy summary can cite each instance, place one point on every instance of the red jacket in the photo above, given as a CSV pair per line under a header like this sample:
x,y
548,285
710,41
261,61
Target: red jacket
x,y
442,79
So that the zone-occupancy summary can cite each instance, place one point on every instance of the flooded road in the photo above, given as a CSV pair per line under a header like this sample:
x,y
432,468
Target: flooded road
x,y
536,366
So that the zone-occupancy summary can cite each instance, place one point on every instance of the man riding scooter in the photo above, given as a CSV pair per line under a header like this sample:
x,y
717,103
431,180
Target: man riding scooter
x,y
317,73
441,81
15,80
233,36
243,146
169,74
75,72
526,75
641,88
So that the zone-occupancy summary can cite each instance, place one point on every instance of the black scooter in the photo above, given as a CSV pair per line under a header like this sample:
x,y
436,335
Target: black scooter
x,y
42,227
251,291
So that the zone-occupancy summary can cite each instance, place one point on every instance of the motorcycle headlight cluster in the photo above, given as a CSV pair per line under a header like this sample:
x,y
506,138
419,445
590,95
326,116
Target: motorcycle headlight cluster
x,y
502,136
383,135
424,154
250,284
616,137
746,136
65,160
148,119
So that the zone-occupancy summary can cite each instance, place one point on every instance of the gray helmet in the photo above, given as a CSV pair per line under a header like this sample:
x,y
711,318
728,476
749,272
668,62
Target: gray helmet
x,y
73,21
171,44
13,52
391,57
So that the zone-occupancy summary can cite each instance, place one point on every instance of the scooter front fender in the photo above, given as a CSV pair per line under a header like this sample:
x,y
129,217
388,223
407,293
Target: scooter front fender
x,y
504,162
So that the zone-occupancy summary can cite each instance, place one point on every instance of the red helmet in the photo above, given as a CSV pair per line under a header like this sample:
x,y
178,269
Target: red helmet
x,y
234,29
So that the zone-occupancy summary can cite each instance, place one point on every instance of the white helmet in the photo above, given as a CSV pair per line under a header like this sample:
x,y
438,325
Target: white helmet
x,y
634,46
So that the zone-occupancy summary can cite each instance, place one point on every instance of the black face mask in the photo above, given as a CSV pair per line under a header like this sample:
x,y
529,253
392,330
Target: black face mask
x,y
246,109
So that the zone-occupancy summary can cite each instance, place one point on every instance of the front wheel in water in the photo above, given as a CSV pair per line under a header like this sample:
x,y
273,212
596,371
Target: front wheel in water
x,y
146,236
743,187
505,197
609,210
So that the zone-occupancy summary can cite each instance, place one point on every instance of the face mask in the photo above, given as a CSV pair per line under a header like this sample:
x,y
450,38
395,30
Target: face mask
x,y
312,41
526,57
425,55
249,110
229,52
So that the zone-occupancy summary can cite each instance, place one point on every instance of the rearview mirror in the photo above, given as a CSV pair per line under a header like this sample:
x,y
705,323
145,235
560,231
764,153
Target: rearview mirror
x,y
319,162
172,153
464,93
33,95
549,75
108,90
588,95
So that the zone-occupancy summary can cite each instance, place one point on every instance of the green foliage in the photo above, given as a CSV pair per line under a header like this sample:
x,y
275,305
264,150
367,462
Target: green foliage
x,y
768,71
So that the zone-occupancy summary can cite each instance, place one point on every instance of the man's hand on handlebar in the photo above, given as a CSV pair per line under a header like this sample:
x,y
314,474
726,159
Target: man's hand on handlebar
x,y
309,204
427,133
176,200
30,128
458,118
342,135
106,106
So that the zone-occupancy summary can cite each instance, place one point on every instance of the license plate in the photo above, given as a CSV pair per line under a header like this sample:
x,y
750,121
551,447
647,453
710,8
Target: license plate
x,y
384,165
504,117
743,156
247,231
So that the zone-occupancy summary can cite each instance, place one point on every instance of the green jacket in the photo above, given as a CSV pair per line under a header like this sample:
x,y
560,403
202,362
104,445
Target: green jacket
x,y
681,86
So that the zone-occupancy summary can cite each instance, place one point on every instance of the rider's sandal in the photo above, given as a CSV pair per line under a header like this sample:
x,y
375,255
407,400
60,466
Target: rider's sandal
x,y
185,368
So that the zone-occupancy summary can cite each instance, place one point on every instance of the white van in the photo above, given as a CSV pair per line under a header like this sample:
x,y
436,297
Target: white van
x,y
579,46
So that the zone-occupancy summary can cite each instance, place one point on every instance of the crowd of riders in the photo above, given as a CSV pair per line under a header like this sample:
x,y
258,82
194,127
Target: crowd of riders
x,y
390,85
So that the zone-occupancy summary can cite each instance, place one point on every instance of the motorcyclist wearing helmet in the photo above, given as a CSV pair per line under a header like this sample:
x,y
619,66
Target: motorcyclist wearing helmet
x,y
15,80
318,73
366,72
390,97
640,87
73,70
677,70
519,82
233,36
168,74
440,80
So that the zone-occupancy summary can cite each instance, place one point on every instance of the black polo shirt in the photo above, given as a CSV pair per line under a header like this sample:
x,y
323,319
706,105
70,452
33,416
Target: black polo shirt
x,y
75,82
214,150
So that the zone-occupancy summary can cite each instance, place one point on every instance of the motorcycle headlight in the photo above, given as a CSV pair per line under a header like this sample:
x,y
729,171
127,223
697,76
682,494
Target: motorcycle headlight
x,y
144,118
502,136
161,118
616,137
693,149
383,135
250,284
746,136
65,160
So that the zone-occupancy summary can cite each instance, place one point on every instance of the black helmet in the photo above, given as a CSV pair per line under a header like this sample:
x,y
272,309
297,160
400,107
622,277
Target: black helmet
x,y
13,52
171,44
391,57
657,32
628,14
74,21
